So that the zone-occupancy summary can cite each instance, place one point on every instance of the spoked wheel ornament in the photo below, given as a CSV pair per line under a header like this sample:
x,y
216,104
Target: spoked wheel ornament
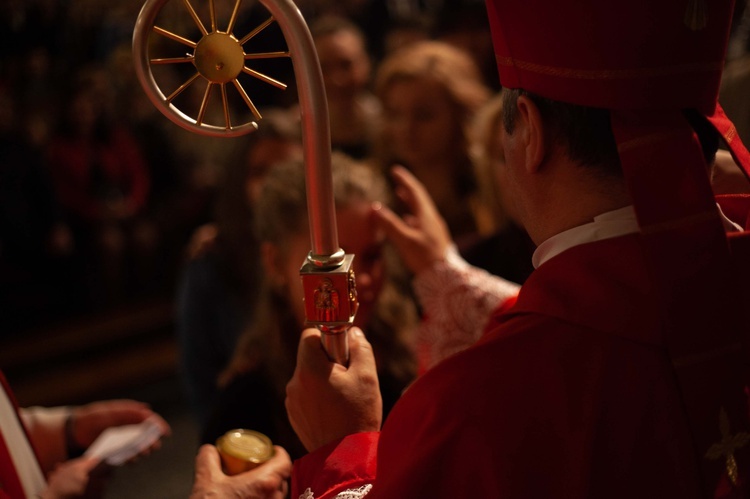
x,y
218,58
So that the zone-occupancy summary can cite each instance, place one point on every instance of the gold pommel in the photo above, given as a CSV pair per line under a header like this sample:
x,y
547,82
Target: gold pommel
x,y
219,57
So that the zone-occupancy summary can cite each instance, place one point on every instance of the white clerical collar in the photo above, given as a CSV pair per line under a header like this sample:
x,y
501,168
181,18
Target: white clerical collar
x,y
605,226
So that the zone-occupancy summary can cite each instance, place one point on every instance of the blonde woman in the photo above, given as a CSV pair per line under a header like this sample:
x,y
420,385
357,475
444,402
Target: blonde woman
x,y
430,92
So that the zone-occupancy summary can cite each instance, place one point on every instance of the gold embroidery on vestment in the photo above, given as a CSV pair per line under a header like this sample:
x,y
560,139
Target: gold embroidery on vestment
x,y
730,134
728,445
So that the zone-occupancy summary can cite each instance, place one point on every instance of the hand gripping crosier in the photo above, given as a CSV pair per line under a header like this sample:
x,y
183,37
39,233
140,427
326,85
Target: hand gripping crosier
x,y
218,59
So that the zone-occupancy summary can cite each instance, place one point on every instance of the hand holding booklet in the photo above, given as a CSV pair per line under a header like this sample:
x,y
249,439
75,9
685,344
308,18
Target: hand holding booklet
x,y
119,444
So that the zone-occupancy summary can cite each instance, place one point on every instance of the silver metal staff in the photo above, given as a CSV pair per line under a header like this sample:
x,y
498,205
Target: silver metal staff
x,y
219,58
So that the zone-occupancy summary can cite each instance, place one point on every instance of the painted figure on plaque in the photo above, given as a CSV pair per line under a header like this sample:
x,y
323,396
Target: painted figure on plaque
x,y
326,301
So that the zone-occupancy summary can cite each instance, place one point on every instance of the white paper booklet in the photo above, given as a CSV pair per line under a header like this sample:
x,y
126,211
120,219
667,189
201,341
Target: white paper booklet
x,y
119,444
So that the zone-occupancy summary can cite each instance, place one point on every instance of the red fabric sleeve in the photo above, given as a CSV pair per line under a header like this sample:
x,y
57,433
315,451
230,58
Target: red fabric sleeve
x,y
497,314
345,464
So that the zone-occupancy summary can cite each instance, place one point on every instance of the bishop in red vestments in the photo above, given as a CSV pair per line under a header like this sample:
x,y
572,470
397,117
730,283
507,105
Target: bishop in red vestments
x,y
621,369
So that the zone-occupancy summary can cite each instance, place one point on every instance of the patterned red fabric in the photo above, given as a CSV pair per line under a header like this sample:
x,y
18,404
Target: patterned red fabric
x,y
728,133
348,463
457,300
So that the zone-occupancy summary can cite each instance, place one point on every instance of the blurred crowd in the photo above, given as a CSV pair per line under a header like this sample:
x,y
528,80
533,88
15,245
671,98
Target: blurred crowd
x,y
100,193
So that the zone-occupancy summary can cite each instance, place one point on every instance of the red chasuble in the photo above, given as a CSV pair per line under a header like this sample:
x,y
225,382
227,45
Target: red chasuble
x,y
569,394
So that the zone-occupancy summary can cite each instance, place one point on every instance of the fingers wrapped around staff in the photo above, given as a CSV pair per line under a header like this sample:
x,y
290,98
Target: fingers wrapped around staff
x,y
327,401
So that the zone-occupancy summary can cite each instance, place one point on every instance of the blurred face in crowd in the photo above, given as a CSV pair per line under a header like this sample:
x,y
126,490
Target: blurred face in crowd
x,y
262,156
345,64
84,113
420,125
357,235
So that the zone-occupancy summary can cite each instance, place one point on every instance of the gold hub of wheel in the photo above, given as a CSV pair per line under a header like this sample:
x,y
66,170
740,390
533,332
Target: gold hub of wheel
x,y
219,57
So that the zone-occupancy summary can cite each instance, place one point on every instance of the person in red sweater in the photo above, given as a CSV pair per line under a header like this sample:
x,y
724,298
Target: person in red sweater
x,y
101,181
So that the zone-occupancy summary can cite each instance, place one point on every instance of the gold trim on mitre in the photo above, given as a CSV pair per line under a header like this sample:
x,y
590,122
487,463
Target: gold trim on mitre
x,y
730,134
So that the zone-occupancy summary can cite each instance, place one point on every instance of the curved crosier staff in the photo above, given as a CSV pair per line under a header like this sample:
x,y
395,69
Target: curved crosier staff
x,y
219,58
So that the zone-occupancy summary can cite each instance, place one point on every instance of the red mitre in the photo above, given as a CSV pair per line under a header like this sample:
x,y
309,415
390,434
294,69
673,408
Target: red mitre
x,y
626,55
636,54
646,61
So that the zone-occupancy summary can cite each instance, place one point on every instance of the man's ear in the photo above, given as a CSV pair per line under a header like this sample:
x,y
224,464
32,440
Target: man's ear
x,y
535,144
